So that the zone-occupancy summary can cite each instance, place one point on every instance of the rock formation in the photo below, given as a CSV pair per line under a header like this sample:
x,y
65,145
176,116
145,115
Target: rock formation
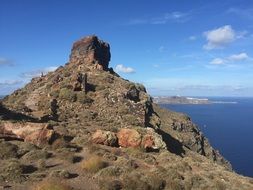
x,y
92,52
84,122
35,133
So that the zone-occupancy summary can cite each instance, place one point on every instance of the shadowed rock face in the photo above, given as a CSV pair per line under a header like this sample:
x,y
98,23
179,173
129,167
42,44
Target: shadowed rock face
x,y
91,50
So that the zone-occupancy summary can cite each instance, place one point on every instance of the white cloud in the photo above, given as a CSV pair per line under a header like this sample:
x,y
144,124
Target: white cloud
x,y
8,86
121,68
218,61
50,69
137,21
192,38
241,34
161,49
232,58
245,13
39,72
219,37
175,16
238,57
4,61
10,82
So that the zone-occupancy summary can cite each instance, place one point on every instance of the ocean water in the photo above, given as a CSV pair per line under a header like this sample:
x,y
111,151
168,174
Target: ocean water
x,y
229,128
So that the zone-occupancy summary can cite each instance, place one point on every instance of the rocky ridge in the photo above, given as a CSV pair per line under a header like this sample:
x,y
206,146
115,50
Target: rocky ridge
x,y
85,109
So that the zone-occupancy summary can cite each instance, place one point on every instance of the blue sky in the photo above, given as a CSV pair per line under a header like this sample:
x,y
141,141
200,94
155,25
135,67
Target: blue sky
x,y
190,48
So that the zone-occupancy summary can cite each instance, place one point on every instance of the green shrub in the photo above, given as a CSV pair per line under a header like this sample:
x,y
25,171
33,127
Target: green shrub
x,y
111,171
134,180
64,174
66,73
36,155
100,87
131,119
43,104
67,94
48,86
220,185
8,150
110,184
41,164
143,181
12,171
54,93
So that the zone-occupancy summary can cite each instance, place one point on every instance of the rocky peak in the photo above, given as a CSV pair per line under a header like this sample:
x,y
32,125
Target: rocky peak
x,y
92,52
84,109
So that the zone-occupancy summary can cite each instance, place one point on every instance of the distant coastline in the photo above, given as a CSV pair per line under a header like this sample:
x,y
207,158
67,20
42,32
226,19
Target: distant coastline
x,y
187,100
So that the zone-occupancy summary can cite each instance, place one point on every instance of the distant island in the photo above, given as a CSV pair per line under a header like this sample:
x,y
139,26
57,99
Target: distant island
x,y
186,100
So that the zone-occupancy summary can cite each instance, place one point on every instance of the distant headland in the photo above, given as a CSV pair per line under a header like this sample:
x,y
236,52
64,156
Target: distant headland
x,y
186,100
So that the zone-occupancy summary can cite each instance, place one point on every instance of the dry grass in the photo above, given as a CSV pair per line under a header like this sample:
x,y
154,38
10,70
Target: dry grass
x,y
93,164
51,185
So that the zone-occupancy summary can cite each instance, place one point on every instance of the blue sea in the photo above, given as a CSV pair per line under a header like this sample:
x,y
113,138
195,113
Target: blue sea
x,y
229,128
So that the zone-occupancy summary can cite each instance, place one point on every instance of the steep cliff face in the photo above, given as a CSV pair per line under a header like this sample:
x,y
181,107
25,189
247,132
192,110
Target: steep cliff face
x,y
84,109
187,136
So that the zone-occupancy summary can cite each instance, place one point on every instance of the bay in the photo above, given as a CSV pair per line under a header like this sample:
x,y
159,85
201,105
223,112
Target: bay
x,y
229,128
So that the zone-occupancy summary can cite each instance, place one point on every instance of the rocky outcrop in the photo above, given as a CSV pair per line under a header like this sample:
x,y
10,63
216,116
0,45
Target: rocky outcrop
x,y
129,138
80,82
92,52
146,138
35,133
105,138
152,140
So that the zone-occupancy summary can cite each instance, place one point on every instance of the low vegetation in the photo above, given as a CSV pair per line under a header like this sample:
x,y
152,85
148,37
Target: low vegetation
x,y
67,94
93,164
51,185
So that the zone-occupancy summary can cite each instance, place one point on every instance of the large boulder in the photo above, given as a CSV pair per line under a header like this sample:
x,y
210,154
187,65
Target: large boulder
x,y
105,137
91,51
152,140
129,137
35,133
148,139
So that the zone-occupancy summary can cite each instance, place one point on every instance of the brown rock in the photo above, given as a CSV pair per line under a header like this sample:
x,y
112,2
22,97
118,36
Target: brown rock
x,y
129,138
36,133
133,94
80,82
56,79
41,137
105,137
152,140
77,86
148,141
90,50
